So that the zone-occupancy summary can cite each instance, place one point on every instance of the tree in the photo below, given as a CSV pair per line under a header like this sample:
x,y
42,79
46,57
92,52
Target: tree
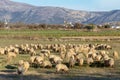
x,y
90,27
106,26
1,24
78,26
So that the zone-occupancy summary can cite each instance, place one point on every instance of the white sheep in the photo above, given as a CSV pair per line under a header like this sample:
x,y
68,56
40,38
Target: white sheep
x,y
98,57
46,63
2,51
10,55
72,61
90,61
115,55
39,59
26,66
80,61
23,66
61,67
20,62
55,59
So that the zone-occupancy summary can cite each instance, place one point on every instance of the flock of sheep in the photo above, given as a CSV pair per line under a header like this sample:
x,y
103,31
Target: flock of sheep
x,y
61,56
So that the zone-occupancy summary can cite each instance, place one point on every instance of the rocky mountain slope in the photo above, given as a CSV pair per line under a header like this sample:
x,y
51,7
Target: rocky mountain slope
x,y
21,12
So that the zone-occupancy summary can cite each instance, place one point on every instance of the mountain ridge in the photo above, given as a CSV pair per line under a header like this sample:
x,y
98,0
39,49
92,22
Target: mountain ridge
x,y
21,12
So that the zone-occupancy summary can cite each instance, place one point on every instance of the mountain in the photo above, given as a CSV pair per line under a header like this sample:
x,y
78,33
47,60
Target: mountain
x,y
112,16
21,12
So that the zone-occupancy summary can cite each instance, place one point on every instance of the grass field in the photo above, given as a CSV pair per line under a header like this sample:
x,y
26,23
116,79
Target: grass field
x,y
56,33
76,73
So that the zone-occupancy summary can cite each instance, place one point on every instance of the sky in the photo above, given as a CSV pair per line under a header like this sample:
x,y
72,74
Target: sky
x,y
88,5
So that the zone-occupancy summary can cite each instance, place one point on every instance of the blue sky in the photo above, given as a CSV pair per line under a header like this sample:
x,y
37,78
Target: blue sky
x,y
89,5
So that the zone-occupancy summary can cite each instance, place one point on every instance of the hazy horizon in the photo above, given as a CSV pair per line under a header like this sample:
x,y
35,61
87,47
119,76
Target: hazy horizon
x,y
87,5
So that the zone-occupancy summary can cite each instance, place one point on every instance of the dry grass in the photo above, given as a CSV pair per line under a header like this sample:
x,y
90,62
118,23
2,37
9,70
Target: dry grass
x,y
76,73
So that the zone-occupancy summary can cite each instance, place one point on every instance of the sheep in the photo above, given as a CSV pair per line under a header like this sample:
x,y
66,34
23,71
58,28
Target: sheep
x,y
26,66
69,54
46,63
51,58
32,59
98,57
46,52
2,51
40,46
105,57
39,59
108,47
102,53
23,67
62,55
55,59
94,55
61,67
72,61
115,55
109,62
79,56
11,55
20,70
89,61
16,50
20,62
80,61
62,48
32,52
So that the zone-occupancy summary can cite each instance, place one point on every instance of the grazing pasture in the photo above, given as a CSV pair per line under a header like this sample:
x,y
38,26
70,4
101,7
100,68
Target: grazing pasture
x,y
84,72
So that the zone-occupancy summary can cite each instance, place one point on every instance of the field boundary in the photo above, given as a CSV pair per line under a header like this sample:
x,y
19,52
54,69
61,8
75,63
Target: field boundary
x,y
94,38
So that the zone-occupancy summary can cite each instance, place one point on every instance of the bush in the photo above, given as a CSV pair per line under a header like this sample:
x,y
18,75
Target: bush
x,y
90,27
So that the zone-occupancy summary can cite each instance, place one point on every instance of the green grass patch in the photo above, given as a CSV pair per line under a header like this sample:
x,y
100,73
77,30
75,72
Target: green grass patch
x,y
56,33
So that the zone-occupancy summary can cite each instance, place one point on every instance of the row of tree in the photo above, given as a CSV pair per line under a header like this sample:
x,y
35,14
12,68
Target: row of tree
x,y
20,25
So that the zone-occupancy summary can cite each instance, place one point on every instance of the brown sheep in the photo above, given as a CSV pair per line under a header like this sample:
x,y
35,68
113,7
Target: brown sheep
x,y
109,62
61,67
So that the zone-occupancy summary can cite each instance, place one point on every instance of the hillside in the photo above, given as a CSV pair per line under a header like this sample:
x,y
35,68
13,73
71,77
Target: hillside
x,y
21,12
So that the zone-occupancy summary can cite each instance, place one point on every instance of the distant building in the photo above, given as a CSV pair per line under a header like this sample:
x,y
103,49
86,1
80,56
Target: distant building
x,y
115,27
6,24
